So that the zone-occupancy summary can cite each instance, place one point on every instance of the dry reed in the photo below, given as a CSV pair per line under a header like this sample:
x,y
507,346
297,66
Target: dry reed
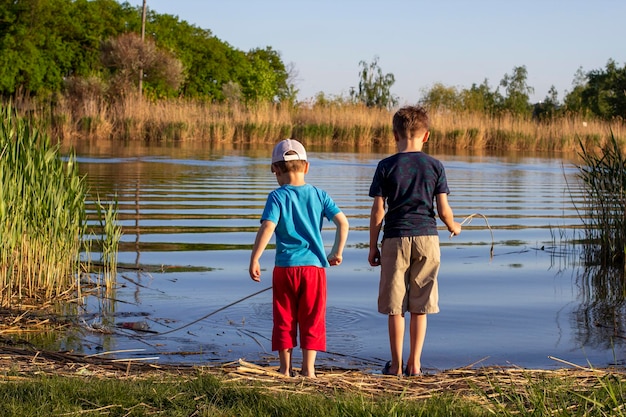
x,y
347,125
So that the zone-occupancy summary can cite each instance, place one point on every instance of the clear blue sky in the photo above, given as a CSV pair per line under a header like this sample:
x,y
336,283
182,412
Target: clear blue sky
x,y
453,42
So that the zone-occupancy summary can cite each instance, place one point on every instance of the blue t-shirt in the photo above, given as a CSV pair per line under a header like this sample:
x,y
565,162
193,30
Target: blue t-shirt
x,y
299,212
409,181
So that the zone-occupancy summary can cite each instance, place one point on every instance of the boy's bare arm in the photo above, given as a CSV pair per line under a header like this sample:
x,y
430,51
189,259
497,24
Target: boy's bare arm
x,y
341,236
263,237
376,222
446,215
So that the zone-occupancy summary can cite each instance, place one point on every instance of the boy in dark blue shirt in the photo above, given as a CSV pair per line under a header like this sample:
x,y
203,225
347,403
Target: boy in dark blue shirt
x,y
408,183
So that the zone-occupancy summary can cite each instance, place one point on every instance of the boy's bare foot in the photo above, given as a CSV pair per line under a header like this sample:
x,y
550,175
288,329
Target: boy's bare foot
x,y
308,374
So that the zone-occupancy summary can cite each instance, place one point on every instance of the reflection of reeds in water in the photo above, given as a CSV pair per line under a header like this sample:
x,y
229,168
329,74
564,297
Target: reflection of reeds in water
x,y
601,312
337,124
600,316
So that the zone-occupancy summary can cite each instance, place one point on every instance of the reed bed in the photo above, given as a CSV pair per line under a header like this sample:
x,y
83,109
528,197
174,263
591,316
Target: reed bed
x,y
603,177
43,219
343,124
42,214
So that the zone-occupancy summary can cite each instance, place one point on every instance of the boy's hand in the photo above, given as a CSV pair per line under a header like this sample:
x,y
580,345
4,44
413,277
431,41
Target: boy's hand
x,y
334,259
255,271
374,256
455,229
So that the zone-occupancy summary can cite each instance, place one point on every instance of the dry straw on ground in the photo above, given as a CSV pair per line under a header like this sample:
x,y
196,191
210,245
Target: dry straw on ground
x,y
23,364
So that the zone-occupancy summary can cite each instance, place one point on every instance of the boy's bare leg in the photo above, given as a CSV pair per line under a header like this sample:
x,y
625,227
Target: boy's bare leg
x,y
308,363
285,361
418,335
396,341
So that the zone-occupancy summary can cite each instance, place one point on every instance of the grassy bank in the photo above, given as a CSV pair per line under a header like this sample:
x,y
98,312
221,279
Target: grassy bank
x,y
48,385
347,125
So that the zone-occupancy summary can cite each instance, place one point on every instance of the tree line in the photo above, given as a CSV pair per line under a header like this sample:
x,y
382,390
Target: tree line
x,y
598,93
50,46
93,48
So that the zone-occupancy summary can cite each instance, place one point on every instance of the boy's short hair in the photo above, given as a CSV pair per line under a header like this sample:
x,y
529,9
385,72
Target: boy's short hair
x,y
410,121
289,166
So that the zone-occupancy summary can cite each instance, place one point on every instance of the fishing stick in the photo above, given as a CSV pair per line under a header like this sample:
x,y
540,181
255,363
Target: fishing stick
x,y
215,311
468,220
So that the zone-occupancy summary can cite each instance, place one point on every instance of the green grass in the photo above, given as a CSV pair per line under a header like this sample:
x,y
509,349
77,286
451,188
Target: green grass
x,y
208,395
204,395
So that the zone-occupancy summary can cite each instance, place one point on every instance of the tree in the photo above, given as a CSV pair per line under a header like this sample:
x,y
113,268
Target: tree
x,y
127,55
517,99
481,99
605,92
573,102
374,87
266,79
440,97
549,107
45,42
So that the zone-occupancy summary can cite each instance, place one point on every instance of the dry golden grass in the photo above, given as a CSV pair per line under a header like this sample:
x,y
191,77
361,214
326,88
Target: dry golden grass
x,y
349,125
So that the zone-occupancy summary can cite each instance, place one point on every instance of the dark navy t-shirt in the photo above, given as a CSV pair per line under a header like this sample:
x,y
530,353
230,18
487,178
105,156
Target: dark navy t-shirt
x,y
409,181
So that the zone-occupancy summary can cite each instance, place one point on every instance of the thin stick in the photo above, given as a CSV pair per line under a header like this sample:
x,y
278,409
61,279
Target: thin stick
x,y
215,312
468,220
110,352
570,364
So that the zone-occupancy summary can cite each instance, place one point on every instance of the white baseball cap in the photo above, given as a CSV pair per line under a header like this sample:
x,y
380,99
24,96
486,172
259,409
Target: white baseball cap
x,y
282,149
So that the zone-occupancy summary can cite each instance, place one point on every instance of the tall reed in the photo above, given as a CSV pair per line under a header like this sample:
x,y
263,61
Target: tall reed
x,y
343,124
42,214
603,176
111,233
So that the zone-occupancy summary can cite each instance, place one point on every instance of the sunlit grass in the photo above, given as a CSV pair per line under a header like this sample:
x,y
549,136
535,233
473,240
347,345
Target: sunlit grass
x,y
207,395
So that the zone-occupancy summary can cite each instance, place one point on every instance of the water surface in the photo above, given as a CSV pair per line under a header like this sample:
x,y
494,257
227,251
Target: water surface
x,y
190,214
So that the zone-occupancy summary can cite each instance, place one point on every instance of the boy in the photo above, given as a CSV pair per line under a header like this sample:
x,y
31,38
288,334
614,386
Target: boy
x,y
295,212
408,183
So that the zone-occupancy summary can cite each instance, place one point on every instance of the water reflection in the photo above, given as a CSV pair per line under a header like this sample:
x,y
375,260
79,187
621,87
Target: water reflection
x,y
190,212
600,317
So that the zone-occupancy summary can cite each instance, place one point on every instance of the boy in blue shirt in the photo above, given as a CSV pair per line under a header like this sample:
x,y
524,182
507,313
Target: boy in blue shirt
x,y
295,213
408,183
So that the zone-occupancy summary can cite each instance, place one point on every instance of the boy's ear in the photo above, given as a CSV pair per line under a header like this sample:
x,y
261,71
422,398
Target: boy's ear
x,y
426,136
306,168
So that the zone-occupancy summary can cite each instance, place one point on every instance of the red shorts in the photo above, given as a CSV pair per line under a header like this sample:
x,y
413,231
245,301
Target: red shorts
x,y
299,300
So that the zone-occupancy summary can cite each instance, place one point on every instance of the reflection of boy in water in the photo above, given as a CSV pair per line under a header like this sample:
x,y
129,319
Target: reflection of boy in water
x,y
295,212
408,183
